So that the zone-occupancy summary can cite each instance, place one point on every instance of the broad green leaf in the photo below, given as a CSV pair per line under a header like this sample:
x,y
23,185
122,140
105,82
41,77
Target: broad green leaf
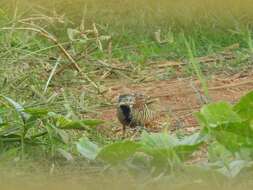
x,y
225,123
235,167
215,114
164,140
241,128
184,151
244,107
232,141
234,136
218,152
158,140
162,146
163,157
193,139
117,152
87,148
140,163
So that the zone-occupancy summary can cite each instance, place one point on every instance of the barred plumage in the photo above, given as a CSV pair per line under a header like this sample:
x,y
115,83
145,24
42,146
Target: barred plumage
x,y
142,116
134,110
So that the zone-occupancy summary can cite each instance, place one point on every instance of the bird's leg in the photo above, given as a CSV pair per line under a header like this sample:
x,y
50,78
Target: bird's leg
x,y
123,131
137,130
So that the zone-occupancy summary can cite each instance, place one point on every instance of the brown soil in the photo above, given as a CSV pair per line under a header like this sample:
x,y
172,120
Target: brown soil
x,y
180,98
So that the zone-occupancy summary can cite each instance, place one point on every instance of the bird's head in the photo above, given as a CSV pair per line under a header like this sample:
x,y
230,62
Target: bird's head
x,y
126,100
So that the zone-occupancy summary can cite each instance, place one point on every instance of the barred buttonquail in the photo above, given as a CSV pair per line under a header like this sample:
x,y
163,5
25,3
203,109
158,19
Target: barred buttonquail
x,y
134,110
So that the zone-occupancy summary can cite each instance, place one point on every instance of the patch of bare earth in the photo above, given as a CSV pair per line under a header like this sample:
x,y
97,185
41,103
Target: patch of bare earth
x,y
181,97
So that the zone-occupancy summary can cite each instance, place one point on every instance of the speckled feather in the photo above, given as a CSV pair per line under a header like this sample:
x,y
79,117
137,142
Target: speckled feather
x,y
134,110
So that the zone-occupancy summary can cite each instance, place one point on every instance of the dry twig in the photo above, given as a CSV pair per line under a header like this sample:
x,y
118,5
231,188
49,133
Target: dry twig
x,y
50,37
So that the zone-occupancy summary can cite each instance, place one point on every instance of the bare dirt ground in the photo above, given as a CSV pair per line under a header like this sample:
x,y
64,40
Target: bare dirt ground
x,y
181,97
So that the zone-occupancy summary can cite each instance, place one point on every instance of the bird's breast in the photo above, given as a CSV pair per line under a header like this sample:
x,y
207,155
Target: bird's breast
x,y
124,114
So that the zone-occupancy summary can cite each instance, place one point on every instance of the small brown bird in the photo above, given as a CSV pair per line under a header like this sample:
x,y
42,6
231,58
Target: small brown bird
x,y
134,110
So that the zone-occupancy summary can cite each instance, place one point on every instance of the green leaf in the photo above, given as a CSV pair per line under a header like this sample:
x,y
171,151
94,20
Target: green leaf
x,y
1,119
242,128
118,152
60,120
87,148
163,157
162,146
19,109
9,154
193,139
227,124
9,130
82,124
245,106
158,140
232,141
65,123
64,136
235,167
164,140
91,122
65,154
37,112
215,114
218,152
234,136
